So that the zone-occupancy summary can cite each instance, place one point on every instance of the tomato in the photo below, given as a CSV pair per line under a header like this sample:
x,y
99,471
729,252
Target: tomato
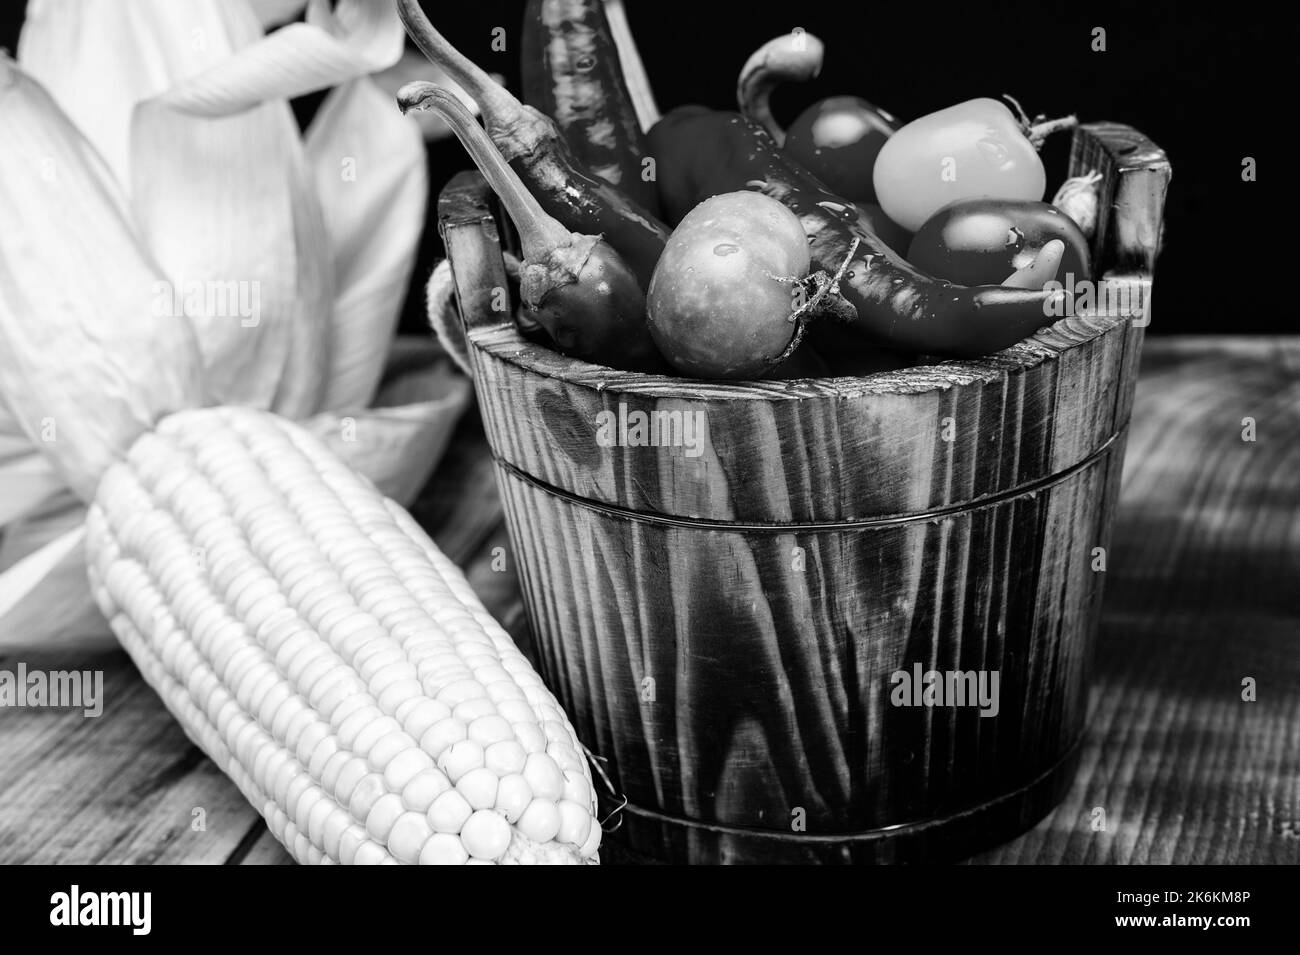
x,y
983,241
977,148
717,304
837,140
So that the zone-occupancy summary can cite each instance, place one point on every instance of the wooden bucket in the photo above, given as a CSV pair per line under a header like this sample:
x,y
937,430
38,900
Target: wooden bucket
x,y
725,620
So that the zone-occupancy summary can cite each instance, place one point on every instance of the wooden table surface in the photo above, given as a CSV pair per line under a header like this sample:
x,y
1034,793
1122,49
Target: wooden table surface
x,y
1202,594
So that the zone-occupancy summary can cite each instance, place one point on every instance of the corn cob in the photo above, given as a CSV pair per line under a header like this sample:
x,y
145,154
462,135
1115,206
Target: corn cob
x,y
313,641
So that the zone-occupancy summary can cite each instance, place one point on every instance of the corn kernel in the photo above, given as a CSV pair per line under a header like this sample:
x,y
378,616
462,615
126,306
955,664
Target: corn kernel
x,y
486,835
418,794
459,758
540,821
513,796
407,836
544,776
443,849
449,812
479,787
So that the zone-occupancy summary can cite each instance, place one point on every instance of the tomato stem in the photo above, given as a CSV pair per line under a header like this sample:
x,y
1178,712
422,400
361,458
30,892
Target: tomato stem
x,y
823,300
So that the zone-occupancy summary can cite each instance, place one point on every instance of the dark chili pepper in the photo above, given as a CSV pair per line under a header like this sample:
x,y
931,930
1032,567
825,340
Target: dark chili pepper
x,y
701,152
531,143
572,73
575,286
669,142
790,58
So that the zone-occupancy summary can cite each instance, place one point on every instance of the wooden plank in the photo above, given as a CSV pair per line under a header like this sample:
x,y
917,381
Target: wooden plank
x,y
1202,595
264,849
120,788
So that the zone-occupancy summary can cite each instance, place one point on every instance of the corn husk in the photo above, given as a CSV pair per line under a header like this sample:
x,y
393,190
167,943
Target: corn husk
x,y
78,334
367,164
44,600
224,189
26,475
220,181
99,58
272,13
44,589
399,438
77,338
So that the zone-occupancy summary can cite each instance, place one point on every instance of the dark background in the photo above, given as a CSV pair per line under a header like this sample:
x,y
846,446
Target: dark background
x,y
1194,84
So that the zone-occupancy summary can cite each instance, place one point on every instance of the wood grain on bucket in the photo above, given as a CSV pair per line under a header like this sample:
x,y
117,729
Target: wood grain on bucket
x,y
725,620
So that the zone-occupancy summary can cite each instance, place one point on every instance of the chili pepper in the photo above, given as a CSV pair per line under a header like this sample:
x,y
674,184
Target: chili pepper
x,y
702,152
836,139
530,141
574,286
669,142
572,73
794,57
1040,270
982,241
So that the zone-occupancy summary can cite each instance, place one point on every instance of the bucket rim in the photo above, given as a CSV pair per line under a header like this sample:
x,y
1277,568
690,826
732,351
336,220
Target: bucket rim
x,y
505,343
1124,249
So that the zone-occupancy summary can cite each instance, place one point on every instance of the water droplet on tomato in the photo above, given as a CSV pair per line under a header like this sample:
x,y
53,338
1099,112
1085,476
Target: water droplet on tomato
x,y
726,248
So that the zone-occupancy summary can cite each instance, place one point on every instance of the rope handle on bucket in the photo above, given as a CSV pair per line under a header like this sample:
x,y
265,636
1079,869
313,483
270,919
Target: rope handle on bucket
x,y
617,811
444,314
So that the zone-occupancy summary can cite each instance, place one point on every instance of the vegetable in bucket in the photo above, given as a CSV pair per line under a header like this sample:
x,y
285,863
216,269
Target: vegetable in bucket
x,y
728,298
703,152
981,241
532,144
575,286
977,148
572,73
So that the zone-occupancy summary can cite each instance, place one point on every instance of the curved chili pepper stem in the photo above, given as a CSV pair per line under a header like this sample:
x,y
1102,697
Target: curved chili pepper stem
x,y
531,143
792,57
539,233
497,104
